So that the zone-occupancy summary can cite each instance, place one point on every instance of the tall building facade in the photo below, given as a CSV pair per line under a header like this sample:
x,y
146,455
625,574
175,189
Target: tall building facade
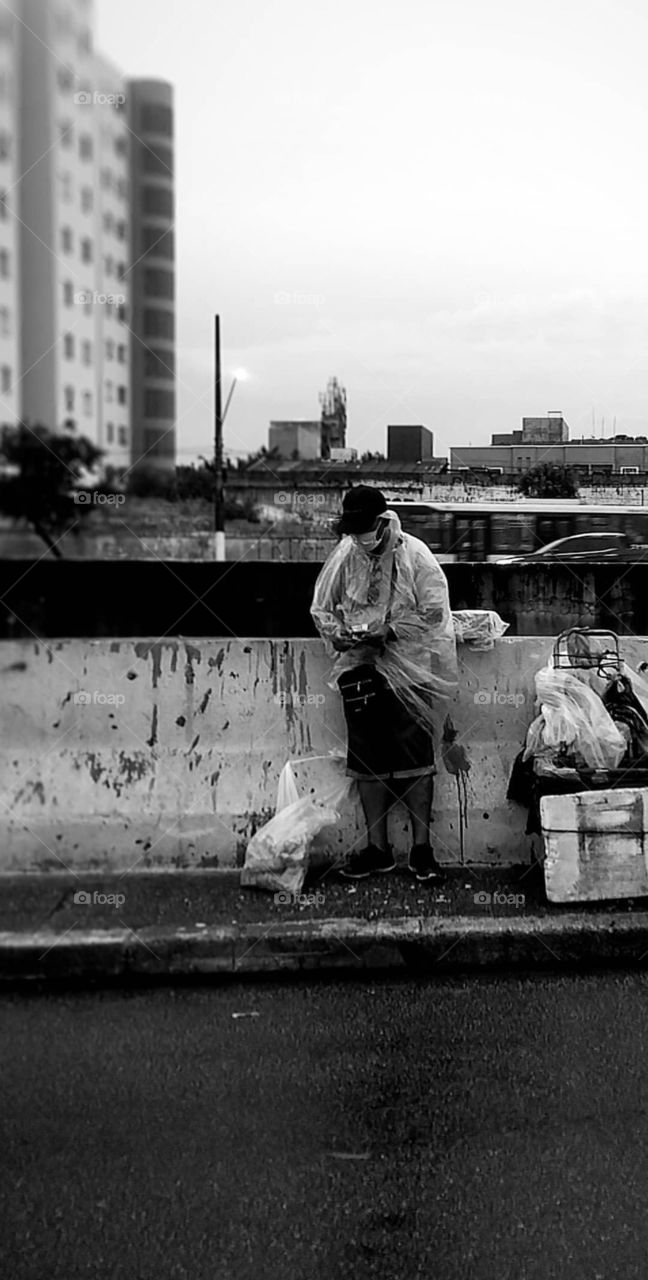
x,y
9,242
152,276
79,161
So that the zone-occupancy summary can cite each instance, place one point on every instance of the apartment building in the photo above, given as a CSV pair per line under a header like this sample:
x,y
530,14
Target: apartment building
x,y
78,173
9,249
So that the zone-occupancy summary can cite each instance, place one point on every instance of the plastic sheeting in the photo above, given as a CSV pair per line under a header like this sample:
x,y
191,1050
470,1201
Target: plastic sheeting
x,y
478,628
278,855
421,665
573,723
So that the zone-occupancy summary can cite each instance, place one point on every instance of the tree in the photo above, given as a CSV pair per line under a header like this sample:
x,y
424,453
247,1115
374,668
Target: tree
x,y
548,480
41,479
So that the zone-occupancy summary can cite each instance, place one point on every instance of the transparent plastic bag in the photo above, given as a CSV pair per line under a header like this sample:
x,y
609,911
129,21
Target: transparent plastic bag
x,y
277,856
478,628
573,722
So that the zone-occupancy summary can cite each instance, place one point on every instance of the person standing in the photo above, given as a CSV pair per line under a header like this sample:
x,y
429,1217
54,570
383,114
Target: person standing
x,y
381,605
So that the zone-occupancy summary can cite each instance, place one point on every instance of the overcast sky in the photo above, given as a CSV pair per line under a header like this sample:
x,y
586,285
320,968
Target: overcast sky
x,y
442,202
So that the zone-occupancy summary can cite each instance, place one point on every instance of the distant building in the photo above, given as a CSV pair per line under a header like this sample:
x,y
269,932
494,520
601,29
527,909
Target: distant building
x,y
409,443
547,440
343,455
296,440
334,418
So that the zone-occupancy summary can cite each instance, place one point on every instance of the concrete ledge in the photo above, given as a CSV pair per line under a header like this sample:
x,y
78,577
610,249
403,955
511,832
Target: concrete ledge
x,y
416,945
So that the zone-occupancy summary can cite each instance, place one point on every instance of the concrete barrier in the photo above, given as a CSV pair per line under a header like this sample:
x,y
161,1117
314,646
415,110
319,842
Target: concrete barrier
x,y
120,754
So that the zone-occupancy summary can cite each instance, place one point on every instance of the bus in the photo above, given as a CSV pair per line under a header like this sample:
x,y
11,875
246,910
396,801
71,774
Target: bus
x,y
491,530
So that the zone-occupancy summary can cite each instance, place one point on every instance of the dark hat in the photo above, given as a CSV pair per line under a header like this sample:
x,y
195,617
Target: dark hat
x,y
360,509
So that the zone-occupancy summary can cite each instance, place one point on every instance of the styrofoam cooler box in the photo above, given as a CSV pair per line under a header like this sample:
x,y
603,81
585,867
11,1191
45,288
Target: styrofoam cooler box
x,y
595,845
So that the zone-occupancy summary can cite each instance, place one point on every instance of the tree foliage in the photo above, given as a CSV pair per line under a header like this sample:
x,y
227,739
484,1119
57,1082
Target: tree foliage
x,y
548,480
41,478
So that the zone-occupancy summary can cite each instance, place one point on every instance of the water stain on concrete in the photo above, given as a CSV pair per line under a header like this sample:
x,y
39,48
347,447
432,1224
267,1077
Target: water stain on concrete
x,y
457,763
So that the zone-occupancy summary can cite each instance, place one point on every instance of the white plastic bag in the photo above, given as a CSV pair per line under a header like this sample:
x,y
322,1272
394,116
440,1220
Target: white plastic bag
x,y
277,856
573,720
478,628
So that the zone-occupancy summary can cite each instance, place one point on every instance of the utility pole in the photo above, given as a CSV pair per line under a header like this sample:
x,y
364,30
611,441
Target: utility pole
x,y
219,513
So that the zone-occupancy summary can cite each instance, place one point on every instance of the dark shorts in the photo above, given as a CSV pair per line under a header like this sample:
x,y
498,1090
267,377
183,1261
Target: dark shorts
x,y
384,739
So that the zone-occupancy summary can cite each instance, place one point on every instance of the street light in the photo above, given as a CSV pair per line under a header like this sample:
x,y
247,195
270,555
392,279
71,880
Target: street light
x,y
220,415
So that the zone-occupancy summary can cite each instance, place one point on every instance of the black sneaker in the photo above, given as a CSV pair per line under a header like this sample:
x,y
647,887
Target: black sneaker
x,y
423,864
367,862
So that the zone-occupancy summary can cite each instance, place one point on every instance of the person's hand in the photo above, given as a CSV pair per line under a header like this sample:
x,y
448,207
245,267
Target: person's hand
x,y
342,642
380,636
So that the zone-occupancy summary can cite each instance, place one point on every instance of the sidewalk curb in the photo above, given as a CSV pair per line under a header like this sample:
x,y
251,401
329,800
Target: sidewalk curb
x,y
415,945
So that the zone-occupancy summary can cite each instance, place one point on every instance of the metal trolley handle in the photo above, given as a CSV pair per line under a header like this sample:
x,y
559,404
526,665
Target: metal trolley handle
x,y
587,647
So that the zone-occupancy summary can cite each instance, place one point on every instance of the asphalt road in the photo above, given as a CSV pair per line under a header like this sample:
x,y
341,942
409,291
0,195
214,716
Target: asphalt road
x,y
473,1129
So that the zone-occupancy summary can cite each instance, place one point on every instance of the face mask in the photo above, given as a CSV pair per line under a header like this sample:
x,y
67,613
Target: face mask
x,y
369,541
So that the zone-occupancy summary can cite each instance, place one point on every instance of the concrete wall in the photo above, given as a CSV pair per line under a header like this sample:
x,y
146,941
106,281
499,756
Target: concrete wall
x,y
173,759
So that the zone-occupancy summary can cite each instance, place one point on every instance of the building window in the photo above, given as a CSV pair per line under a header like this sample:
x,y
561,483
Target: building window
x,y
110,432
85,146
4,206
86,352
158,283
87,199
65,79
158,160
121,353
158,403
66,239
87,403
65,180
5,379
66,133
157,200
68,395
109,391
156,119
121,270
121,395
5,322
68,346
159,364
158,323
159,244
110,348
4,264
68,293
86,249
121,313
5,145
120,229
123,435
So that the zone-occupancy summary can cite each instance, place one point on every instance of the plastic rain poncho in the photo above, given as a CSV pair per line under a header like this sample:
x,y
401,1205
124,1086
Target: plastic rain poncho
x,y
421,664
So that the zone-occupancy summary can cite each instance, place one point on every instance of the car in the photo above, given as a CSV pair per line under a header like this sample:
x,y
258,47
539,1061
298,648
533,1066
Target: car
x,y
583,546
